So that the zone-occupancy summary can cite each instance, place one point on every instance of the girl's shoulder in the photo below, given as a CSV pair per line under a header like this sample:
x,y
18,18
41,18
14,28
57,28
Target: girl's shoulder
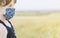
x,y
2,28
7,23
3,31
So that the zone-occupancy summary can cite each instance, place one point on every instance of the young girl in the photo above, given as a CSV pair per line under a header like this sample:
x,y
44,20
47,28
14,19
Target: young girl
x,y
6,13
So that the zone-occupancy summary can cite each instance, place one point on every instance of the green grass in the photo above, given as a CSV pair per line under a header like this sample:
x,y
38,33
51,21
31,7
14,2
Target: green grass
x,y
45,26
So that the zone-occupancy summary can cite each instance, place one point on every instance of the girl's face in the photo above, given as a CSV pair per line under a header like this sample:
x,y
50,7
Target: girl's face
x,y
10,5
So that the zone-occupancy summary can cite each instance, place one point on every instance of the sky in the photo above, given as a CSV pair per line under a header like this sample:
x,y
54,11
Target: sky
x,y
23,5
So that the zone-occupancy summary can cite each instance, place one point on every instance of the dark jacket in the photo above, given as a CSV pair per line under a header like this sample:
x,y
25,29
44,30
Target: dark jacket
x,y
11,33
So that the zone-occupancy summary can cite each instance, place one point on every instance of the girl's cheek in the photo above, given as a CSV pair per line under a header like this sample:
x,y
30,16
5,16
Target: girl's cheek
x,y
10,5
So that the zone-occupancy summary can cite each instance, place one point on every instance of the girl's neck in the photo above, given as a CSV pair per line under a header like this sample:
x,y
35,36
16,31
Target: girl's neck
x,y
2,11
2,17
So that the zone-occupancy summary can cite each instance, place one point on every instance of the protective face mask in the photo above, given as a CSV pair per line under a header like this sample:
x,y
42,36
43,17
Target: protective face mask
x,y
9,13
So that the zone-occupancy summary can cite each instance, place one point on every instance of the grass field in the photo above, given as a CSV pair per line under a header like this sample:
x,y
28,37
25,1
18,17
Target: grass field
x,y
45,26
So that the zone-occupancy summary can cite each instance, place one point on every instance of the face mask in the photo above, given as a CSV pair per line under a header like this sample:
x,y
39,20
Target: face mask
x,y
9,13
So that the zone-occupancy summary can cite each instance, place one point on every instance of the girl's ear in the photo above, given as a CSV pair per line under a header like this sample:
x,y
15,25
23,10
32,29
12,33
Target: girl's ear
x,y
3,3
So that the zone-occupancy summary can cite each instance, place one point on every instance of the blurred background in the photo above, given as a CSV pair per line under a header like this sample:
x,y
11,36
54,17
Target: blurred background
x,y
37,19
37,5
